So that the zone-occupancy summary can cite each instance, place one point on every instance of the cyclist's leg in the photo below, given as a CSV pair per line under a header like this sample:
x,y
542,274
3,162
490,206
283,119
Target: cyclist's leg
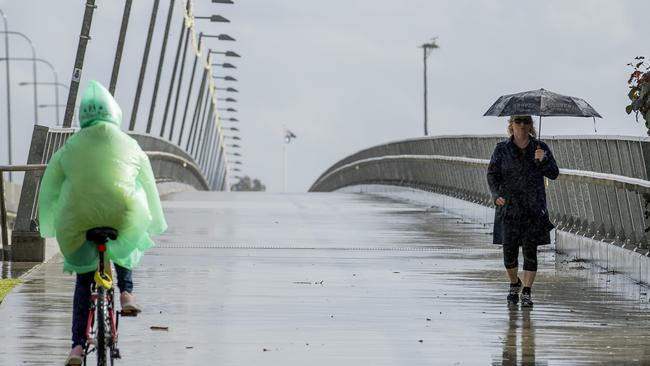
x,y
81,308
125,284
124,279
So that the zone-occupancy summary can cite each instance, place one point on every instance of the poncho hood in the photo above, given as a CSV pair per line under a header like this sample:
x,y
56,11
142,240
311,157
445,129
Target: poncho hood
x,y
98,105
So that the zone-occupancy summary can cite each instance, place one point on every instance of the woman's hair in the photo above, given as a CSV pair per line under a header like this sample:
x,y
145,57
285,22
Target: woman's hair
x,y
532,132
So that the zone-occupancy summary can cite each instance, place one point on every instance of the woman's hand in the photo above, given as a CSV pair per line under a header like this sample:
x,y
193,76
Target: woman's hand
x,y
500,201
539,154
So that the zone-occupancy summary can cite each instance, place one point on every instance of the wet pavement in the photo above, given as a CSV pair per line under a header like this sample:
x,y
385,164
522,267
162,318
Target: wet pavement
x,y
337,279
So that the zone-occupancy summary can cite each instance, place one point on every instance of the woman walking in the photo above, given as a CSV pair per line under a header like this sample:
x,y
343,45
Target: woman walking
x,y
516,179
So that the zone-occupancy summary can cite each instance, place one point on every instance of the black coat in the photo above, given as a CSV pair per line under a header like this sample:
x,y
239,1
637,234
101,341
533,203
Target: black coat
x,y
514,175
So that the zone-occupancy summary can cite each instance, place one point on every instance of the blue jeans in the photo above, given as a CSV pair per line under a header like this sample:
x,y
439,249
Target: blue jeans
x,y
81,304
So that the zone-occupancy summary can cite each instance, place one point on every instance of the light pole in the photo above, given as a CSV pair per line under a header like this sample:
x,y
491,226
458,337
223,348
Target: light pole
x,y
227,109
226,65
226,78
426,50
35,79
229,100
231,119
4,18
230,90
56,94
214,18
56,75
227,53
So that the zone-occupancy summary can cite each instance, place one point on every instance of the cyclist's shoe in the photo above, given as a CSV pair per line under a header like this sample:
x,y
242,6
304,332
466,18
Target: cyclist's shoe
x,y
526,301
129,306
76,357
513,294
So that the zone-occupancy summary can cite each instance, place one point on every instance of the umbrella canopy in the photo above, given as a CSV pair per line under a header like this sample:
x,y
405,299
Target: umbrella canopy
x,y
541,103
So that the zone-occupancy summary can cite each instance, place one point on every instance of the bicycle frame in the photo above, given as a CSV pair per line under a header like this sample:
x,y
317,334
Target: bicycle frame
x,y
101,309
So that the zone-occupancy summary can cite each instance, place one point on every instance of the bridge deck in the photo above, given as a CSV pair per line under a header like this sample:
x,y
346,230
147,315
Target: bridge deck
x,y
336,279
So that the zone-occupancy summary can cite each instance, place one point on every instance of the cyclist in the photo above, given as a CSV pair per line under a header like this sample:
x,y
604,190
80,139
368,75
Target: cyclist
x,y
99,178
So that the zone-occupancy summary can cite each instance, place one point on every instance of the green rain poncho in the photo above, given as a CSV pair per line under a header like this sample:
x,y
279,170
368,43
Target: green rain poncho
x,y
100,177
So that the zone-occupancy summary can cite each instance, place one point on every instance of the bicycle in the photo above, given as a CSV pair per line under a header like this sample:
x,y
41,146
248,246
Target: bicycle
x,y
103,320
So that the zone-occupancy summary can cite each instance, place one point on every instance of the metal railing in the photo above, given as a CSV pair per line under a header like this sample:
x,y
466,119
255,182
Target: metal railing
x,y
602,191
168,161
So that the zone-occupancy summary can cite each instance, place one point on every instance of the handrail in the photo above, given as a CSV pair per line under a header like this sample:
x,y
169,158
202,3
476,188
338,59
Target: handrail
x,y
184,162
36,167
573,175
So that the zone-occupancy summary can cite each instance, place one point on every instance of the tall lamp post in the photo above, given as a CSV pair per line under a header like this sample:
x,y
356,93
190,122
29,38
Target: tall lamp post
x,y
426,51
56,76
35,79
4,18
56,94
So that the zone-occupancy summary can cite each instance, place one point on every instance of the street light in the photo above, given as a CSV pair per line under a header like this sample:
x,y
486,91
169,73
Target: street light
x,y
8,94
56,75
31,44
226,65
221,37
50,105
233,154
229,100
234,146
227,53
229,119
231,128
230,90
426,50
222,2
24,83
214,18
226,78
236,138
227,109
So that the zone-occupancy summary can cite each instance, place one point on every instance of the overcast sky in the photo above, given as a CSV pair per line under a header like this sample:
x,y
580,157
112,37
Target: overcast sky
x,y
344,75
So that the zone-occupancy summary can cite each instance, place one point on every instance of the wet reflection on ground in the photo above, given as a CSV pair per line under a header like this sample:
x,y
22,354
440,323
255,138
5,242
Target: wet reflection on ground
x,y
323,279
14,270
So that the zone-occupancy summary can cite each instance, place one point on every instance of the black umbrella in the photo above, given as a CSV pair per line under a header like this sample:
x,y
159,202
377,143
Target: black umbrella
x,y
541,103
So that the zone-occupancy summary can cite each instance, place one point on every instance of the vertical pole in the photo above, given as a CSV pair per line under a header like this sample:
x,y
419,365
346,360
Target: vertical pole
x,y
35,80
284,166
56,97
424,53
205,141
143,67
3,218
160,65
79,62
171,83
4,17
178,86
197,107
200,129
189,94
120,46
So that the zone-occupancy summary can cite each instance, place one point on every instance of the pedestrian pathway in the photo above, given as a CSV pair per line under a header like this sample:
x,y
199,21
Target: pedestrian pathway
x,y
336,279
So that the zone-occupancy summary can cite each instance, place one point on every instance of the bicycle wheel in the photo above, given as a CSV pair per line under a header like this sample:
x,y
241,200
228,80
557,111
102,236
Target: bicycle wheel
x,y
101,312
